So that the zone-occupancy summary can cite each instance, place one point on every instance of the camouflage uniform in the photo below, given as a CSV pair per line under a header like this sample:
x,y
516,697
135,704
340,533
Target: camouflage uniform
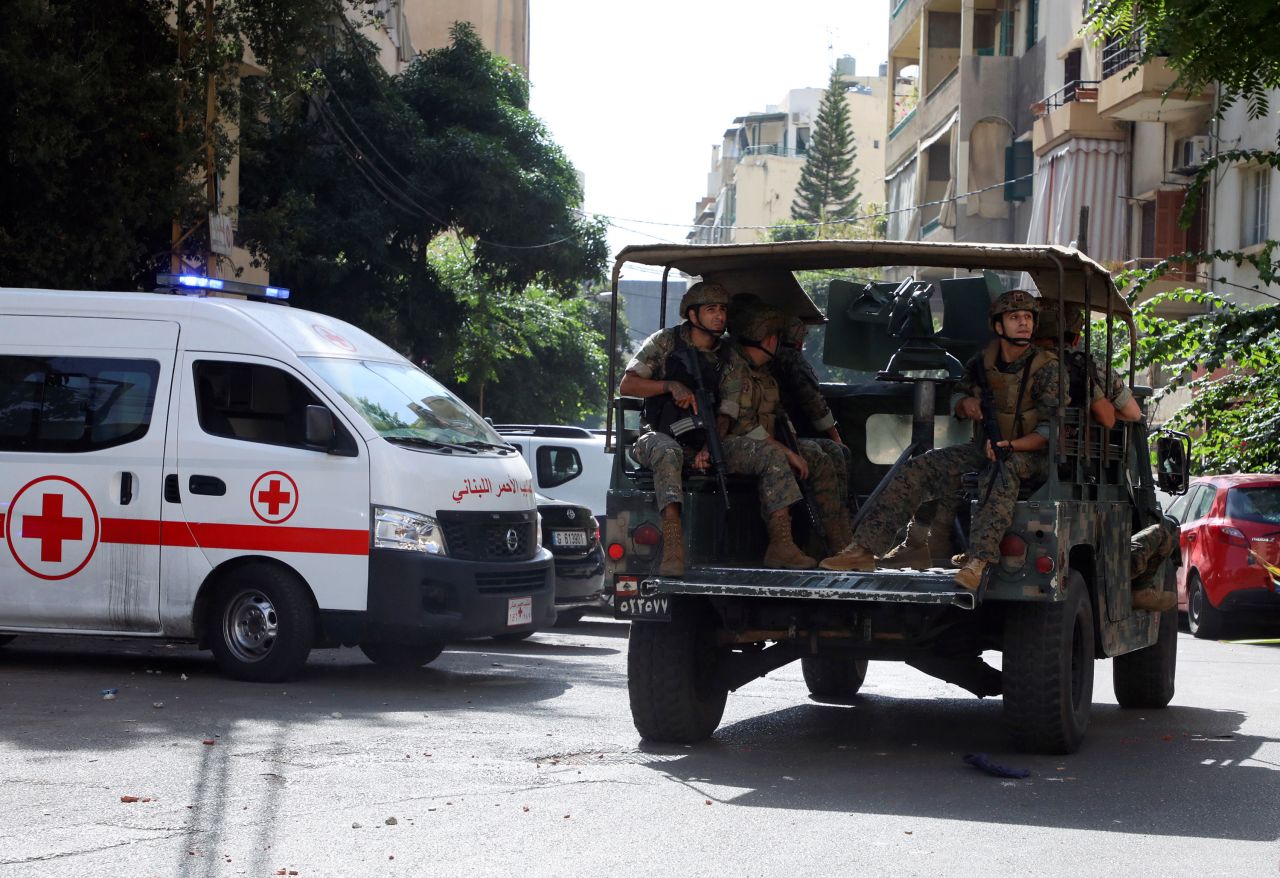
x,y
658,451
751,400
805,405
1147,548
936,475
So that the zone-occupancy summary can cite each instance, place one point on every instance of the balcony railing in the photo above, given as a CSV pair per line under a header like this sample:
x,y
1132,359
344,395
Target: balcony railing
x,y
902,124
774,149
1122,51
1084,91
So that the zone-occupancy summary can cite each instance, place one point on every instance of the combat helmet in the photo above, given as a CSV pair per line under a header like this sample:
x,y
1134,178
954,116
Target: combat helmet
x,y
1014,300
1047,323
752,325
793,334
702,293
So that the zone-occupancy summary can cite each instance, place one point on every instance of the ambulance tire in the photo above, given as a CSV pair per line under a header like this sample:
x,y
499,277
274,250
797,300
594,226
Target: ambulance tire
x,y
263,625
402,656
6,639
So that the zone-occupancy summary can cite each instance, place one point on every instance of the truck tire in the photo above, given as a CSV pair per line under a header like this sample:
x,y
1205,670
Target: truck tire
x,y
1144,678
670,677
1048,671
1204,620
833,679
263,625
403,656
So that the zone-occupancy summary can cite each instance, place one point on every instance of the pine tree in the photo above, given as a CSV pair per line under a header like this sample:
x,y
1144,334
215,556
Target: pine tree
x,y
828,188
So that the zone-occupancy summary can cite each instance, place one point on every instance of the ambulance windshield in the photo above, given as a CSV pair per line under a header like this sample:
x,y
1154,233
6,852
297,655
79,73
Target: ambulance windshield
x,y
402,402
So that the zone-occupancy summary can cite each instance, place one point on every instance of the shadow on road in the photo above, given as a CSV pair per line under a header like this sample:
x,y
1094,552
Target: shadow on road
x,y
1179,772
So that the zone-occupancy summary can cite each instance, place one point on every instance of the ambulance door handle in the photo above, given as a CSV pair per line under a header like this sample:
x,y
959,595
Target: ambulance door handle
x,y
172,494
126,488
210,485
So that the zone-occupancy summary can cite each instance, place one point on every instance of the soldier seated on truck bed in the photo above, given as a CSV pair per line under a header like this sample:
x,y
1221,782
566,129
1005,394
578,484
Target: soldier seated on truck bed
x,y
751,418
658,374
1023,388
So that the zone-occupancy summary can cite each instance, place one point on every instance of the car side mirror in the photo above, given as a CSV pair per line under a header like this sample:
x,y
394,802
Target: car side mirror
x,y
1173,461
320,428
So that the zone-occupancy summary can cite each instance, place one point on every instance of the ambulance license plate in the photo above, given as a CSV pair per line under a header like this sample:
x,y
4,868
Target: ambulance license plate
x,y
519,611
568,538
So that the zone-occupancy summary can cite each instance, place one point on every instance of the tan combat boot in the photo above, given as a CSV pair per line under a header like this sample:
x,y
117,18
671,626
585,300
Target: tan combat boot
x,y
672,548
838,532
782,552
912,552
1155,601
970,575
959,559
851,557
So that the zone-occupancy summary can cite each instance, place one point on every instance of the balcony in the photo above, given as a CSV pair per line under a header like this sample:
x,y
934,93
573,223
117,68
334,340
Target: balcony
x,y
1133,92
1176,309
1071,111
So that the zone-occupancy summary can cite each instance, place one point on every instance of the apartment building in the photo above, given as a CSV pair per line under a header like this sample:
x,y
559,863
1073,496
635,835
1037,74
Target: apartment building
x,y
756,167
958,151
502,25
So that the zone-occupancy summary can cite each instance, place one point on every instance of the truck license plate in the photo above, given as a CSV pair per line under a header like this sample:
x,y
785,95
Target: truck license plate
x,y
568,538
519,611
656,608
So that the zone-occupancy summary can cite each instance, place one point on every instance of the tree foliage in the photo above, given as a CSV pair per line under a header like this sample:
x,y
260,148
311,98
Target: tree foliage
x,y
828,188
1230,43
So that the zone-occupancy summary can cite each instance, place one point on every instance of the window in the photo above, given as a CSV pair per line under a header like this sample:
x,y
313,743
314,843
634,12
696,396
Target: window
x,y
557,465
1257,206
1178,508
74,404
256,403
888,435
1254,504
1033,22
1204,500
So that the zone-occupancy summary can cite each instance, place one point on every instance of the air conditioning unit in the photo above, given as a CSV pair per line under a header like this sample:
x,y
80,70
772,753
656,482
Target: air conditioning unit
x,y
1190,154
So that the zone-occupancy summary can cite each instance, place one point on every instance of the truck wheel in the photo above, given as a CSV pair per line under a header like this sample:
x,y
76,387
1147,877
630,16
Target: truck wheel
x,y
262,626
404,656
1204,620
833,679
1144,678
670,677
1048,671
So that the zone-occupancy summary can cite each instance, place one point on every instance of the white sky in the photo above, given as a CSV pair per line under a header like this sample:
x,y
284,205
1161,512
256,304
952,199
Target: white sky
x,y
638,93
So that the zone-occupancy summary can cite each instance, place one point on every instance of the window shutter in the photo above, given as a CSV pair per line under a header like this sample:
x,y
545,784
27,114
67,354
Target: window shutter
x,y
1171,238
1019,162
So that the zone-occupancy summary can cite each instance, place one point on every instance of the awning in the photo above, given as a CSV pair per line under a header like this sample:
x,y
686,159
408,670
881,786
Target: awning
x,y
1084,171
939,132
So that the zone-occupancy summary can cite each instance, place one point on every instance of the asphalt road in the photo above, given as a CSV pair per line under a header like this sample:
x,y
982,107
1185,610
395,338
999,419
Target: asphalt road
x,y
522,759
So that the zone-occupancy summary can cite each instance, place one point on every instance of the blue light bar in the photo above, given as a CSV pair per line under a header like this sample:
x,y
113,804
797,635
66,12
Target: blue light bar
x,y
192,284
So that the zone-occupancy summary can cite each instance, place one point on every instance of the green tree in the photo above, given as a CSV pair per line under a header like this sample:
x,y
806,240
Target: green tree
x,y
1227,356
1228,43
106,134
828,188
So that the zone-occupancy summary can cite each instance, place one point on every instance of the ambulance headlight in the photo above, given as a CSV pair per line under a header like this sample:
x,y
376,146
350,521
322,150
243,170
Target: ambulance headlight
x,y
409,531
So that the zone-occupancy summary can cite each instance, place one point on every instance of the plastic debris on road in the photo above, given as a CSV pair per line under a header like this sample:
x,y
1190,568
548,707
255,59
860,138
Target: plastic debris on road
x,y
982,763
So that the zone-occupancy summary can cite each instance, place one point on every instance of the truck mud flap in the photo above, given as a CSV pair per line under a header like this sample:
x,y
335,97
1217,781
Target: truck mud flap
x,y
881,586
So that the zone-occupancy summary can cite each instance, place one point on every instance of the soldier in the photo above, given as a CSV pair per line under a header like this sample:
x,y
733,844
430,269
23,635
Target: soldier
x,y
805,405
750,409
1110,401
669,439
1023,390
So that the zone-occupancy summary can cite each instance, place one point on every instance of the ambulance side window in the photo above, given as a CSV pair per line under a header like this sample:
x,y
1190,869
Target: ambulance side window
x,y
74,404
253,403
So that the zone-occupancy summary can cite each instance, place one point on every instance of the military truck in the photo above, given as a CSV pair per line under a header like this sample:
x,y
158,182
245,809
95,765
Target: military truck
x,y
1058,600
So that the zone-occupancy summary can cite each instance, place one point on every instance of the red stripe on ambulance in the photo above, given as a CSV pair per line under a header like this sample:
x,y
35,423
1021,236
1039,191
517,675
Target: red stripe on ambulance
x,y
244,537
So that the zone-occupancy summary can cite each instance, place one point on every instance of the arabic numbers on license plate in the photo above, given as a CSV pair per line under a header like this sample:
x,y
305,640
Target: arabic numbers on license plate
x,y
519,611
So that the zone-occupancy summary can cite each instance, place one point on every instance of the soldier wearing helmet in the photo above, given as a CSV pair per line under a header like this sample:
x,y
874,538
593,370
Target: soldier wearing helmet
x,y
669,437
1109,398
751,417
1021,390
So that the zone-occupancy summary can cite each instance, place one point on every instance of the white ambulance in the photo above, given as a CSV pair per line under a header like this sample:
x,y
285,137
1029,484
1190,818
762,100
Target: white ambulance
x,y
259,479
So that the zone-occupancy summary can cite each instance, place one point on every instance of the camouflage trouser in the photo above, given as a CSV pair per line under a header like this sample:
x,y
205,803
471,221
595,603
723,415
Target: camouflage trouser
x,y
1147,548
936,475
665,456
840,457
768,462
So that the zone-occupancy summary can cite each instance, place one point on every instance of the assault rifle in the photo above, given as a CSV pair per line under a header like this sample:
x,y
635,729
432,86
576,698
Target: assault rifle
x,y
990,427
787,437
707,415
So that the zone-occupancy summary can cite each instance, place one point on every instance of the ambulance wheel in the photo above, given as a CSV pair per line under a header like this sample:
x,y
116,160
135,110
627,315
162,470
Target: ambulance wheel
x,y
262,626
405,656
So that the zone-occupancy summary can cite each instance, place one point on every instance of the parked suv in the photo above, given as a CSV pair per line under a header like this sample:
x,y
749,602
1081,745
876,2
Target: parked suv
x,y
1230,538
568,463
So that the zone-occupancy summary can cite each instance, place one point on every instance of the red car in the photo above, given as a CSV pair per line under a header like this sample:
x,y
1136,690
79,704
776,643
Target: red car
x,y
1230,549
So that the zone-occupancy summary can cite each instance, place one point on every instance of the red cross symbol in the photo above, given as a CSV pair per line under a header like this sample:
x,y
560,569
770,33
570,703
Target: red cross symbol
x,y
274,497
51,528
